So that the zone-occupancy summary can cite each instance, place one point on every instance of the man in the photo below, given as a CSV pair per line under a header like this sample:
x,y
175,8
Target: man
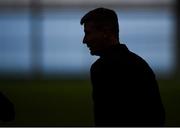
x,y
125,90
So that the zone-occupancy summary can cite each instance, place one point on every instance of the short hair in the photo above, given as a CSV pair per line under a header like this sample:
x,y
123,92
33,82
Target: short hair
x,y
102,18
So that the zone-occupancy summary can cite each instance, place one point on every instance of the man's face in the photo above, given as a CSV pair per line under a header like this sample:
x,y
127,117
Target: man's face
x,y
93,38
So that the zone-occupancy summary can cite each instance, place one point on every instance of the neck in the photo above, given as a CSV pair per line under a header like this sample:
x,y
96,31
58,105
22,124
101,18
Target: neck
x,y
114,42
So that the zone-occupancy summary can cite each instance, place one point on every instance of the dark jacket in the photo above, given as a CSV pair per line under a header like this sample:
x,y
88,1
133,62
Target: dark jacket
x,y
125,90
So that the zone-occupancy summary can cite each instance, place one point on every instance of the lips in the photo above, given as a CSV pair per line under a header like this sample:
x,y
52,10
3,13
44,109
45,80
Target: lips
x,y
88,46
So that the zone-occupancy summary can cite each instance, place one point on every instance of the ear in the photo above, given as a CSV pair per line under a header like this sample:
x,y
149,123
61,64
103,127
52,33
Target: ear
x,y
108,32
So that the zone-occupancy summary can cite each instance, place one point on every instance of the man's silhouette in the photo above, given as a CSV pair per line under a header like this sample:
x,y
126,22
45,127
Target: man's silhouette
x,y
125,90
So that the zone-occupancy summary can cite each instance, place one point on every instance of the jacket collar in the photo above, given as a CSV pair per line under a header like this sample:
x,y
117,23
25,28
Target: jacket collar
x,y
114,49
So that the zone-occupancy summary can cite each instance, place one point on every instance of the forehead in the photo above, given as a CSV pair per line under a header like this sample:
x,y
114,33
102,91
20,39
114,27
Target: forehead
x,y
89,26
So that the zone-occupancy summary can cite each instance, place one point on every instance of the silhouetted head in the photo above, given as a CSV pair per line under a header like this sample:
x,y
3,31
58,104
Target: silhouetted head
x,y
101,29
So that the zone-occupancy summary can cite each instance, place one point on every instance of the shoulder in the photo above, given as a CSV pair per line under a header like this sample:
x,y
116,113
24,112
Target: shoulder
x,y
97,65
140,64
137,60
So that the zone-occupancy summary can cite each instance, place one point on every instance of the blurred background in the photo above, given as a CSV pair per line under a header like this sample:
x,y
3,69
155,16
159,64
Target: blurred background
x,y
44,67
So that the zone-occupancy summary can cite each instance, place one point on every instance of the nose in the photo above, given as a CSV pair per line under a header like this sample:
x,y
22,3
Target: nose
x,y
84,40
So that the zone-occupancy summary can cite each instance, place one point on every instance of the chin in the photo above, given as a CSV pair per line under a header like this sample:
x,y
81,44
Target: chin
x,y
94,53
